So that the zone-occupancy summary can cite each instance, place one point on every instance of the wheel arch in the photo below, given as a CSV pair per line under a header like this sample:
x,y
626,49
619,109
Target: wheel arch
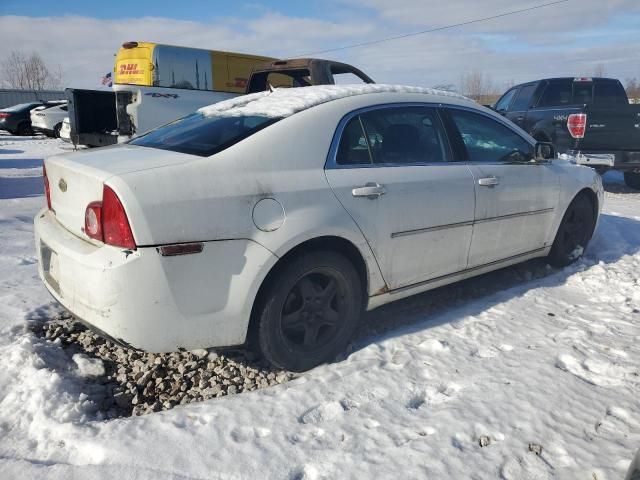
x,y
593,198
325,242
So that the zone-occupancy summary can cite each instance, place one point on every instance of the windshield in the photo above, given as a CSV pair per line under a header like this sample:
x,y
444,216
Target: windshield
x,y
20,106
202,135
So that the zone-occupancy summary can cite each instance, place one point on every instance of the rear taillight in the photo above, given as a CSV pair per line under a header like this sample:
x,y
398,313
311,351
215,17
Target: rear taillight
x,y
47,190
93,221
577,124
5,115
107,221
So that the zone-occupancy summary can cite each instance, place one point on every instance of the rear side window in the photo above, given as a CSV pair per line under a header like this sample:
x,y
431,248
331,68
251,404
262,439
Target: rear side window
x,y
353,148
523,100
202,135
486,140
405,135
557,93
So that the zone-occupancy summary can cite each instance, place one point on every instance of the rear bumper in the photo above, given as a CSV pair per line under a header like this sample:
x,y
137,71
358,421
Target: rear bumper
x,y
149,301
618,160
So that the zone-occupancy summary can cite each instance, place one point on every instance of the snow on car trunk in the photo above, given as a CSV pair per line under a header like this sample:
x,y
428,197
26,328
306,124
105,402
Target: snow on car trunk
x,y
77,179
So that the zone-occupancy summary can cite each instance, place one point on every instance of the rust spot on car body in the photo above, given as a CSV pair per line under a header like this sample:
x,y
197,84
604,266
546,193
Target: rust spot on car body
x,y
381,291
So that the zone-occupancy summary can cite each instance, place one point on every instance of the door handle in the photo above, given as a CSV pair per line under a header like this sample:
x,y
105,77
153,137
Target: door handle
x,y
488,181
371,190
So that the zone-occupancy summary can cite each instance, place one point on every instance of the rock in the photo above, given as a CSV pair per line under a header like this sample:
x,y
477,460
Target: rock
x,y
484,441
535,448
123,400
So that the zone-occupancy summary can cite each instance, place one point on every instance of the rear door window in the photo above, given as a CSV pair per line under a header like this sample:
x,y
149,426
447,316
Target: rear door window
x,y
405,135
557,93
202,135
353,148
523,99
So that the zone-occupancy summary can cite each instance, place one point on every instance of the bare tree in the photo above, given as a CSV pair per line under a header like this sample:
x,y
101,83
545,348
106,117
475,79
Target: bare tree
x,y
479,87
23,71
633,89
599,71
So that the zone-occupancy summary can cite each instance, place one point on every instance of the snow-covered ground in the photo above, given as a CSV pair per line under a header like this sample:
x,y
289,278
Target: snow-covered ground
x,y
539,366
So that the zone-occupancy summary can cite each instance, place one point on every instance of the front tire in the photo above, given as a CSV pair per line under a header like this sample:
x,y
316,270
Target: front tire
x,y
574,232
632,179
309,311
56,130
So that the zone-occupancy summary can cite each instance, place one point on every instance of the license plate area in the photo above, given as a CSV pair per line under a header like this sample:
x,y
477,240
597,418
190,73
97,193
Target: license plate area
x,y
50,266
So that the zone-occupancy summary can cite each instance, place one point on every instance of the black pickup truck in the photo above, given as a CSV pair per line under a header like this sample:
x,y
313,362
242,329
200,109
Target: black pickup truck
x,y
588,119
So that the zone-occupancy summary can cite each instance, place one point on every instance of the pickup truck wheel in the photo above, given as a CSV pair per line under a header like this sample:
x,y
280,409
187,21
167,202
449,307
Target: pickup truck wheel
x,y
310,311
56,130
632,179
574,232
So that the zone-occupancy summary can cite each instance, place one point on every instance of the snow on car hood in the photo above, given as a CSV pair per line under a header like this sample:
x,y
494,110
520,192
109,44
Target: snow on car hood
x,y
283,102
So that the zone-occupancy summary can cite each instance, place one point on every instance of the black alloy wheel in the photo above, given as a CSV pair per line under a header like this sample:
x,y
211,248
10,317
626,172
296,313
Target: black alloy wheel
x,y
574,232
310,311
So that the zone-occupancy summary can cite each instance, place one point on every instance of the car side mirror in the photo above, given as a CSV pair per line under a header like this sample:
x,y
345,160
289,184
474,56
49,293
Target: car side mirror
x,y
544,151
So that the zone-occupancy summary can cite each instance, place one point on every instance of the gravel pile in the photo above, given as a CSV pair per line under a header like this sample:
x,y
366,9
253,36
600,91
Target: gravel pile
x,y
135,383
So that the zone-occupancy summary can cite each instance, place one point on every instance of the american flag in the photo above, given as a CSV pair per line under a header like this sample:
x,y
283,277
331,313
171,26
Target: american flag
x,y
106,80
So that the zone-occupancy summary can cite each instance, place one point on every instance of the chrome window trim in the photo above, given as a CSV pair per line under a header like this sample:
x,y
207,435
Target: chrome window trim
x,y
332,164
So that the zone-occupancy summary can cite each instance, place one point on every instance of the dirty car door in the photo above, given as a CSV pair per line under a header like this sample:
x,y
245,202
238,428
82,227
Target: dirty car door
x,y
389,167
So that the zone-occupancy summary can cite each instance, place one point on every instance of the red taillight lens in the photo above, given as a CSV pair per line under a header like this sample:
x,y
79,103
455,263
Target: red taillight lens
x,y
5,115
93,221
107,221
577,124
115,224
47,190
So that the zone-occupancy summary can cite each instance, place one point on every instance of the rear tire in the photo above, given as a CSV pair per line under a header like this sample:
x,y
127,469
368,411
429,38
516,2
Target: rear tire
x,y
574,232
56,130
24,129
632,179
309,311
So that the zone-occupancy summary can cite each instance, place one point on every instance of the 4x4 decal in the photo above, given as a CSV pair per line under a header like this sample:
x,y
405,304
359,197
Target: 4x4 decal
x,y
163,95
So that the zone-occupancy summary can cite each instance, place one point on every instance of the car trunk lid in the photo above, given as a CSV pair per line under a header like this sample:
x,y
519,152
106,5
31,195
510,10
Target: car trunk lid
x,y
77,179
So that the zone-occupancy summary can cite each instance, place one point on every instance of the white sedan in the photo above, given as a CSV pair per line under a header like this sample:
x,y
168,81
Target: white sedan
x,y
281,216
48,119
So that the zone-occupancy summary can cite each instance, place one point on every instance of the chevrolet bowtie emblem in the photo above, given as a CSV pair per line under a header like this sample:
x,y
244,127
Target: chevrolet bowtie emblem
x,y
63,185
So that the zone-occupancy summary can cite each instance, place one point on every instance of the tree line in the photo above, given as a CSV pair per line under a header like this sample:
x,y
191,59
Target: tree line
x,y
29,71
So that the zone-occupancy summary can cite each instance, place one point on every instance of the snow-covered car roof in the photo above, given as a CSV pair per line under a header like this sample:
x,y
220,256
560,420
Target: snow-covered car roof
x,y
283,102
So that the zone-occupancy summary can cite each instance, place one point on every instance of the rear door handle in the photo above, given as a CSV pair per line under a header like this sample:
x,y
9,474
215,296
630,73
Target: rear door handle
x,y
488,181
370,190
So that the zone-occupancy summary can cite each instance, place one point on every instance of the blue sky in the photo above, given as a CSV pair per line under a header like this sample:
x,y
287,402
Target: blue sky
x,y
201,10
572,38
